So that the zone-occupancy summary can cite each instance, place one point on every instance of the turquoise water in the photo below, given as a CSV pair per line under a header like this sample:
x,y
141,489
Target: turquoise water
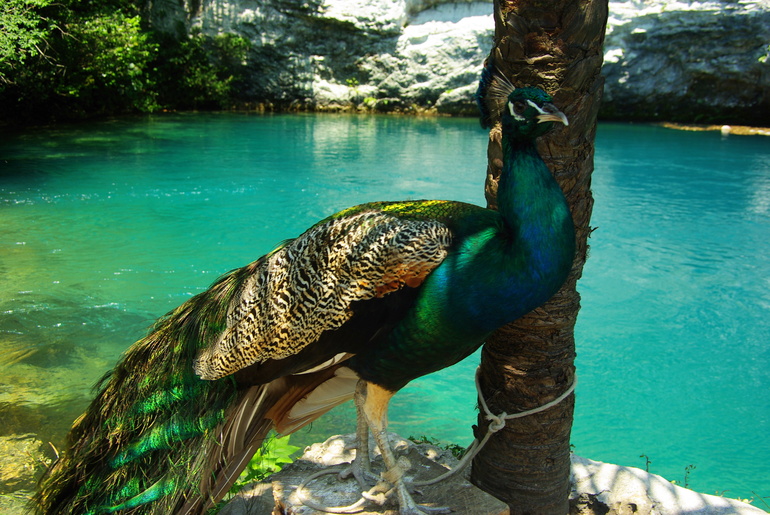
x,y
106,226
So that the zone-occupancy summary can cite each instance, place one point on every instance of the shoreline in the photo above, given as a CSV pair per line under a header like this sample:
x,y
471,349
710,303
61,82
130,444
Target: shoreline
x,y
739,130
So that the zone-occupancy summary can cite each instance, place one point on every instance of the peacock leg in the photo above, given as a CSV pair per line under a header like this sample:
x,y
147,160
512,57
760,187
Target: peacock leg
x,y
375,410
361,468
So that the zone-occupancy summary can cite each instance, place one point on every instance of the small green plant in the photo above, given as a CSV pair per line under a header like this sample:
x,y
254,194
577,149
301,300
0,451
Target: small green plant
x,y
689,468
686,484
269,459
456,450
352,83
762,499
763,59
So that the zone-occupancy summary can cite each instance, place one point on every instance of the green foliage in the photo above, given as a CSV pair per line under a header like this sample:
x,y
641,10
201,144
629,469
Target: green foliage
x,y
456,450
85,61
199,71
23,31
108,59
271,458
80,58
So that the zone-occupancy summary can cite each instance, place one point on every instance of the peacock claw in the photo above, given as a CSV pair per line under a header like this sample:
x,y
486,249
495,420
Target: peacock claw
x,y
365,478
407,504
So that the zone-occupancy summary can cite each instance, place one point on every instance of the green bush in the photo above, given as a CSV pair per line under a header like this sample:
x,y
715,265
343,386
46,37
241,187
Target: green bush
x,y
23,33
80,58
108,58
200,72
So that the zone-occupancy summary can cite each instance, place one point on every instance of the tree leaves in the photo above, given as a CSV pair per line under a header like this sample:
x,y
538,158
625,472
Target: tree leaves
x,y
23,31
64,59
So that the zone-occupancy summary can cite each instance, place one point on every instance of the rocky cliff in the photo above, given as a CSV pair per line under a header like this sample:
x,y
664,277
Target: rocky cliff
x,y
677,61
688,61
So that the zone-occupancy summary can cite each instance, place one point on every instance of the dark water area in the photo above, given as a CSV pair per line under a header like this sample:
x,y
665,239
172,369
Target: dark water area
x,y
106,226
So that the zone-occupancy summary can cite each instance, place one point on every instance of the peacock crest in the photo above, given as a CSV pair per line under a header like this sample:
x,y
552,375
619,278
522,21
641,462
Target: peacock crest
x,y
492,95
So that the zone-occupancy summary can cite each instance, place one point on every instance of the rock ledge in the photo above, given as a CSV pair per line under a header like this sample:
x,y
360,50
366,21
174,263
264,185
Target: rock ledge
x,y
597,488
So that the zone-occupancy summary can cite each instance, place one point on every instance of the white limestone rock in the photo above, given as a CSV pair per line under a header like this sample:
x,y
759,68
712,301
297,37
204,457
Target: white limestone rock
x,y
382,17
631,490
688,60
440,49
322,53
679,60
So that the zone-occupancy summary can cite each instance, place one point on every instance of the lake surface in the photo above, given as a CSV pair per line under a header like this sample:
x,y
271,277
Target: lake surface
x,y
106,226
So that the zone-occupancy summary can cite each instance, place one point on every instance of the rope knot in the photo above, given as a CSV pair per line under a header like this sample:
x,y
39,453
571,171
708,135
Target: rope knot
x,y
496,422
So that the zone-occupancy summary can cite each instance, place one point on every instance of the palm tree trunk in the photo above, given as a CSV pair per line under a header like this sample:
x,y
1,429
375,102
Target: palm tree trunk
x,y
556,45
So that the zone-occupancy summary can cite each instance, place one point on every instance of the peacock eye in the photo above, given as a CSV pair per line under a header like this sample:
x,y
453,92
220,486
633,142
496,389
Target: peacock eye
x,y
517,109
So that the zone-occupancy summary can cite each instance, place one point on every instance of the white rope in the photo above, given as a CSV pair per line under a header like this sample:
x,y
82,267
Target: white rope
x,y
496,423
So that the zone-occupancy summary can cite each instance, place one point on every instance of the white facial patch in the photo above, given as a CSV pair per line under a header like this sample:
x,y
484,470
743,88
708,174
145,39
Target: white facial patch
x,y
536,107
513,112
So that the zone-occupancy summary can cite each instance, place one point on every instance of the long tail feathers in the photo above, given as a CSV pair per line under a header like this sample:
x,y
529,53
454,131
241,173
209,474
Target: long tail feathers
x,y
286,405
159,440
144,443
240,436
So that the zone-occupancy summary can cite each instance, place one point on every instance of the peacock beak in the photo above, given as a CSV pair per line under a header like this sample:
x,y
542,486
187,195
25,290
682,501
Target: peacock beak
x,y
551,114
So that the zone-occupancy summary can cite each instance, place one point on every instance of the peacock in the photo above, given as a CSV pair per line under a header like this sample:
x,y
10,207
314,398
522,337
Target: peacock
x,y
358,306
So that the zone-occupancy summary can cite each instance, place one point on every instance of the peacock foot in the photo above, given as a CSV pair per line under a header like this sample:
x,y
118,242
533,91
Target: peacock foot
x,y
407,504
361,469
365,477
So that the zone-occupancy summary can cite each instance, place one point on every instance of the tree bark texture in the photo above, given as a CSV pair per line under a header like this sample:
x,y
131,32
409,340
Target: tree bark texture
x,y
555,45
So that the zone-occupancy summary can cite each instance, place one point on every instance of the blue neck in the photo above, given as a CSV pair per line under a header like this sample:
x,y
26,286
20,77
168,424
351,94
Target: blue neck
x,y
539,227
529,199
510,262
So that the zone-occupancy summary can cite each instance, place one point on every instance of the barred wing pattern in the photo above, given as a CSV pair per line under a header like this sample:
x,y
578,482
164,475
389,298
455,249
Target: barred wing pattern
x,y
307,286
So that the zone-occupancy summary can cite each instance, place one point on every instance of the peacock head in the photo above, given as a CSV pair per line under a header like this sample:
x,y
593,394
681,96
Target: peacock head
x,y
529,113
